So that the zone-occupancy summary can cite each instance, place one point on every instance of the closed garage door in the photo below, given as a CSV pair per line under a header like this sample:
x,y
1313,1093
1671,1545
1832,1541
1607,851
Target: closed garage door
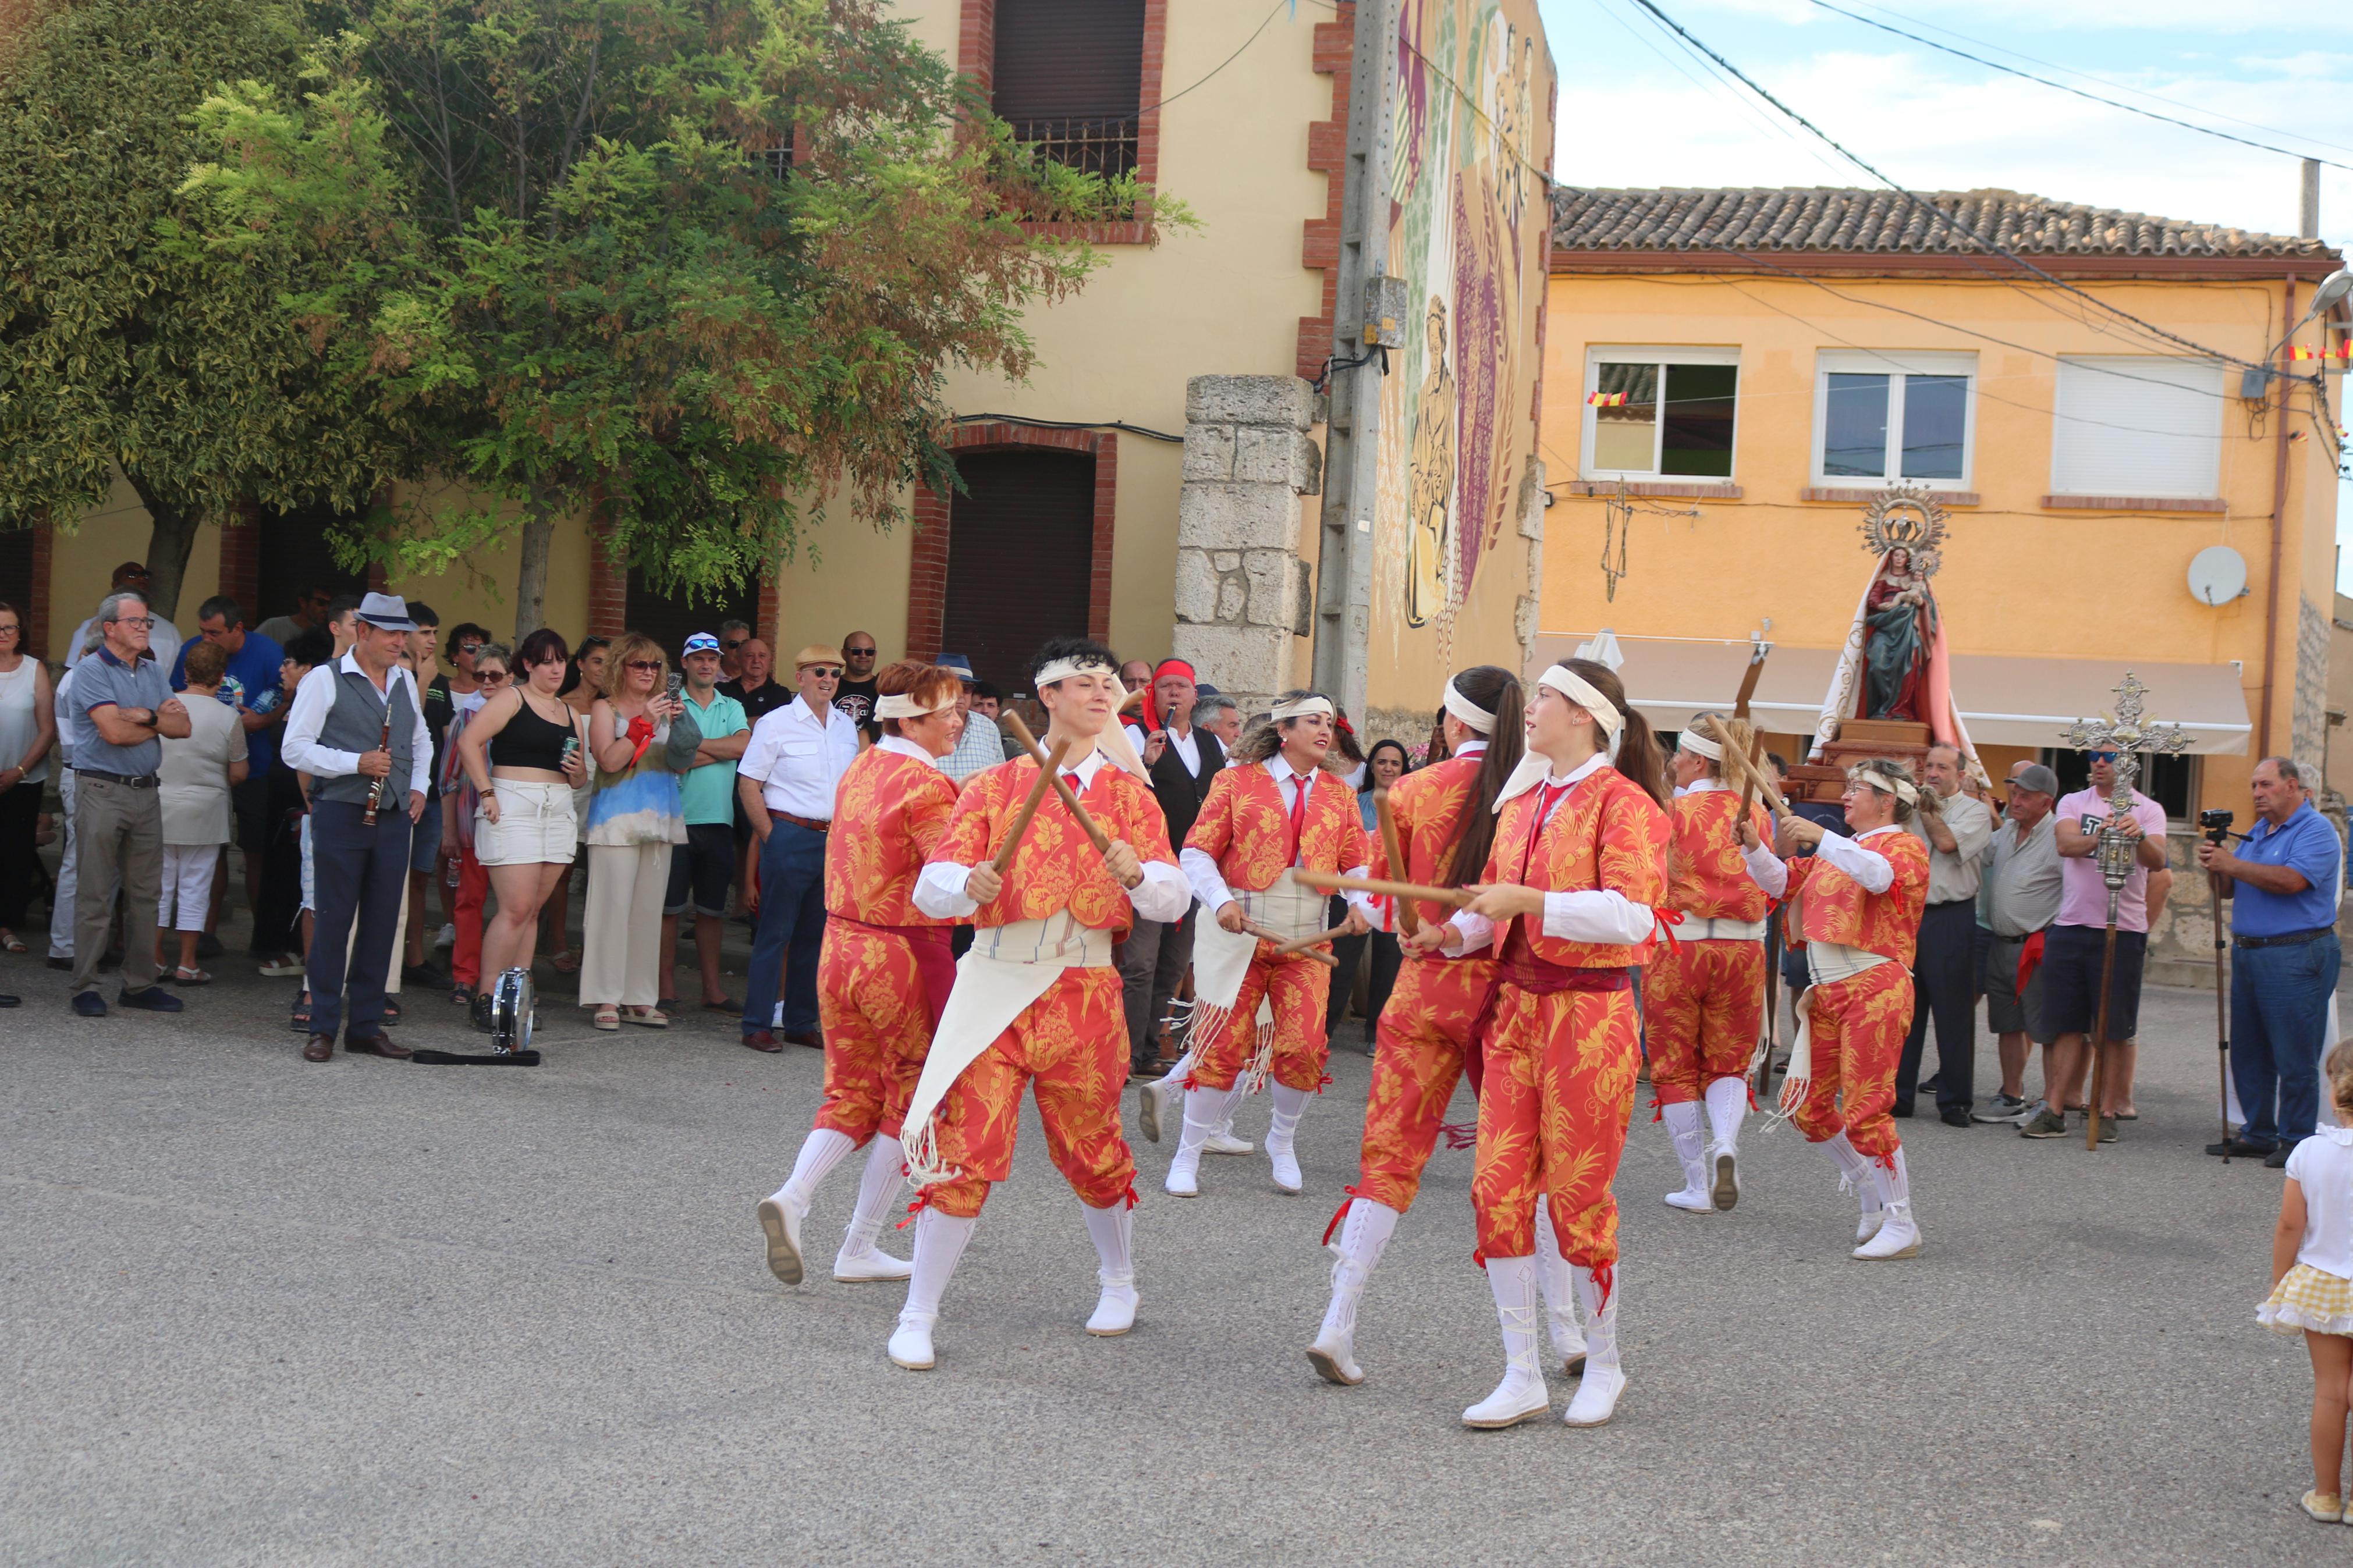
x,y
1021,558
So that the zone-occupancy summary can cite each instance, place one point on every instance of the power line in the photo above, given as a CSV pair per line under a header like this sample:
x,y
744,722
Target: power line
x,y
1222,65
2063,86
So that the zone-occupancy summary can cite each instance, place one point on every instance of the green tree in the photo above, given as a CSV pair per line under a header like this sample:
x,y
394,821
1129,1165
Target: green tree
x,y
688,269
122,347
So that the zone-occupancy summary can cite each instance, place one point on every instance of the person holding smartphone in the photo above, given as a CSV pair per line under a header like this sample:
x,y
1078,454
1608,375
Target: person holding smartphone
x,y
641,738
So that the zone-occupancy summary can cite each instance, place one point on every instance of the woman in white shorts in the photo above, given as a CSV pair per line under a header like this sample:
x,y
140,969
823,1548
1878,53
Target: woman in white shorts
x,y
522,755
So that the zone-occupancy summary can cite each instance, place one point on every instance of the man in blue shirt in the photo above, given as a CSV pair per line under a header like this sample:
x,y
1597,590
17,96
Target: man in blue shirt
x,y
251,687
2282,884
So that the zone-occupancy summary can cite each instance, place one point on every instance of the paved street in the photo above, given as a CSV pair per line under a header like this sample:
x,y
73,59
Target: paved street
x,y
259,1312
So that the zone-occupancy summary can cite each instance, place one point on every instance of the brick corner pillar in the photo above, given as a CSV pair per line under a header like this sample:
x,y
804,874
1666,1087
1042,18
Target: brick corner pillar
x,y
240,561
609,590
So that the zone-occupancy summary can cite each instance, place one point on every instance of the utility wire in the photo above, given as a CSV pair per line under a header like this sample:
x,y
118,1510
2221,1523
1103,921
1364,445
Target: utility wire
x,y
2063,86
1222,65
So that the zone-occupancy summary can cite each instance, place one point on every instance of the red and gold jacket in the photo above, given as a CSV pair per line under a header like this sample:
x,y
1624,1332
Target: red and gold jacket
x,y
1246,829
1606,834
1057,868
1706,874
1836,909
890,813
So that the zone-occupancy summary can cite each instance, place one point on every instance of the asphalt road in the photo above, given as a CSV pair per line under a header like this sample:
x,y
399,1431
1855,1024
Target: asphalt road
x,y
261,1311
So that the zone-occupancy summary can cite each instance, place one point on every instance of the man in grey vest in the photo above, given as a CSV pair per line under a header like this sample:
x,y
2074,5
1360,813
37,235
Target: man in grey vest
x,y
357,727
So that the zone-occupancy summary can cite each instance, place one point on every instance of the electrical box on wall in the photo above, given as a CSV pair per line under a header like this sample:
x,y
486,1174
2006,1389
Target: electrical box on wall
x,y
1384,312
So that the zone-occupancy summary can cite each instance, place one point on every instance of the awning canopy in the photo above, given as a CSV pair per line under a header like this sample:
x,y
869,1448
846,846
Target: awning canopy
x,y
2005,700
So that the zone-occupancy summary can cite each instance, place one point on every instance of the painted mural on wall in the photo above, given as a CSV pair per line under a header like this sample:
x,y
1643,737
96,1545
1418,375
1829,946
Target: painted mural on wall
x,y
1467,232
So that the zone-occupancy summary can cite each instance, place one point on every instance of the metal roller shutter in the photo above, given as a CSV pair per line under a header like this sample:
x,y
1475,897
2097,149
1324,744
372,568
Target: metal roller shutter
x,y
669,618
1068,60
1020,559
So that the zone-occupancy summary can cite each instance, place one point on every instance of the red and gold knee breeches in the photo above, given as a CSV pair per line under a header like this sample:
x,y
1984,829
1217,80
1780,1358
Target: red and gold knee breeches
x,y
1859,1024
1071,1045
1299,988
1702,1005
1552,1118
1423,1033
878,1026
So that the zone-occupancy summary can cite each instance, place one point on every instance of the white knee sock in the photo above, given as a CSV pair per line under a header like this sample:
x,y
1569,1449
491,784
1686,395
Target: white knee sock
x,y
1554,1284
1727,1106
821,1150
1513,1282
1691,1148
1112,1230
1894,1184
876,1187
1289,1105
939,1242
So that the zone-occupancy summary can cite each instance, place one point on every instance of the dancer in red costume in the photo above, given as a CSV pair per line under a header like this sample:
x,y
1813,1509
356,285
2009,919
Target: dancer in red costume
x,y
885,970
1860,917
1704,998
1037,1002
1274,810
1569,899
1446,826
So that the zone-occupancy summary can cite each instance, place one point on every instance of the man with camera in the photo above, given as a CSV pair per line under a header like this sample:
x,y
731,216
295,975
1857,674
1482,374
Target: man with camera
x,y
2281,886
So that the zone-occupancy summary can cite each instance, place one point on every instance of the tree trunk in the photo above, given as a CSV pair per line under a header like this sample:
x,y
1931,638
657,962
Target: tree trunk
x,y
531,575
169,543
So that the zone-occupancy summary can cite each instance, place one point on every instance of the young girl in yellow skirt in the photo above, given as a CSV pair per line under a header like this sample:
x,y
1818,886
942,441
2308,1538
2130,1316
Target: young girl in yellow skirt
x,y
2312,1281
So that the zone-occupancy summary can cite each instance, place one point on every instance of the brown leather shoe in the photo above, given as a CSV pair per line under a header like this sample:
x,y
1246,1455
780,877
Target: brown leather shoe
x,y
319,1048
376,1046
809,1037
761,1040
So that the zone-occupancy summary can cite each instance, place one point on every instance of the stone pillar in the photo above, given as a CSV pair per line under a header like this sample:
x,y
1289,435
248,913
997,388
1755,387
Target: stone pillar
x,y
1242,592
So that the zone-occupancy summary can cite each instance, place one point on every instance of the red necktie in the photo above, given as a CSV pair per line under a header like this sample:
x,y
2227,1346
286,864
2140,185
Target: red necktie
x,y
1297,816
1546,801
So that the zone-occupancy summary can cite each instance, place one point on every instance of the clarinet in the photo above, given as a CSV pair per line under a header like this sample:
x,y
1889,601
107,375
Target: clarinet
x,y
376,790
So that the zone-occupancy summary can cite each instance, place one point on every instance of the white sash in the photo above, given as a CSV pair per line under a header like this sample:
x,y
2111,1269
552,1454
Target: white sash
x,y
1718,928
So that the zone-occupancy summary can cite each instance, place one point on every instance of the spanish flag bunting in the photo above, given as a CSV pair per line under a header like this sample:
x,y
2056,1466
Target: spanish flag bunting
x,y
2343,351
1608,400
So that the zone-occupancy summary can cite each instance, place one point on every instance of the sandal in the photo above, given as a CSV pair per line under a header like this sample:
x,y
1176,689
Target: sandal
x,y
11,943
190,977
566,962
302,1019
606,1018
647,1017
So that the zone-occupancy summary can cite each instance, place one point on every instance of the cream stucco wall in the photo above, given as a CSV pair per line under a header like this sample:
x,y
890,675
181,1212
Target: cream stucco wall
x,y
82,560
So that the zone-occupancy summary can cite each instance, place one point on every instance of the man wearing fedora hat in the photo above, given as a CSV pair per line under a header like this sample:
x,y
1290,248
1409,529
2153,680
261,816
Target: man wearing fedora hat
x,y
355,721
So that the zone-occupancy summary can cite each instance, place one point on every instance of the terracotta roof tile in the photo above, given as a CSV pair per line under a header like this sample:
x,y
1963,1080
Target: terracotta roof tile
x,y
1863,221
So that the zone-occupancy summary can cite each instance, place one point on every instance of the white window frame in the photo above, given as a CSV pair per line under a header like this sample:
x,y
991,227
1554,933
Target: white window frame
x,y
1595,356
1893,364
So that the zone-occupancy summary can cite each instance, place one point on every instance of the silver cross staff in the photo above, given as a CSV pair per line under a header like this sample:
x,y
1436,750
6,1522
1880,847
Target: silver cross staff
x,y
2124,734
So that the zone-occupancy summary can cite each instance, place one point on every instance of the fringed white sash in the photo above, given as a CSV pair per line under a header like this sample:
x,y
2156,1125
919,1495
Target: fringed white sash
x,y
1222,958
1007,968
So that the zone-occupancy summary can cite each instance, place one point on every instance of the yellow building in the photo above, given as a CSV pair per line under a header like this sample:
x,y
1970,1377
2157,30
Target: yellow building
x,y
1731,375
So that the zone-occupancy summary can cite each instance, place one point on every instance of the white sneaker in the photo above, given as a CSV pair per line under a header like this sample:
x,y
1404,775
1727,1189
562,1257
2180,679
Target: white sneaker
x,y
1521,1397
1223,1141
1153,1103
1287,1175
1727,1161
911,1344
1691,1200
873,1264
781,1222
1898,1237
1184,1175
1114,1311
1867,1226
449,938
1597,1395
1333,1357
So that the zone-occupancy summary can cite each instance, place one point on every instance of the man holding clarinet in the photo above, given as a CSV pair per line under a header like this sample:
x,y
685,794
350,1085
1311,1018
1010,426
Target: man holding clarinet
x,y
357,727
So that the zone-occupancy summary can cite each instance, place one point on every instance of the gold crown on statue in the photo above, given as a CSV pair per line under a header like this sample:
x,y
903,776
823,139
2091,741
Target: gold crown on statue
x,y
1902,517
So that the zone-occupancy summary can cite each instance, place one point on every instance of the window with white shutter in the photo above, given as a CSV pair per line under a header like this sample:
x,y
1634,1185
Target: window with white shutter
x,y
2137,425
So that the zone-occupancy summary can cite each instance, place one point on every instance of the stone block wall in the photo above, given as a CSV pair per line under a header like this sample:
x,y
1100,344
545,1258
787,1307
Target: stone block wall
x,y
1242,592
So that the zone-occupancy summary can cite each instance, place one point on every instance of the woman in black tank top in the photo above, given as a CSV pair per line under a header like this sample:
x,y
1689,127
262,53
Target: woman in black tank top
x,y
520,739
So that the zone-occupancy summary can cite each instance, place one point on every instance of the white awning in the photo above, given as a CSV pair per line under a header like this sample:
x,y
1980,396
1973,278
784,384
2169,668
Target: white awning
x,y
2005,700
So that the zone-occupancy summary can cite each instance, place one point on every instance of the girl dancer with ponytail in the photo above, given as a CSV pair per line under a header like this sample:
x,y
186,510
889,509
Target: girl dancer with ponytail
x,y
1568,899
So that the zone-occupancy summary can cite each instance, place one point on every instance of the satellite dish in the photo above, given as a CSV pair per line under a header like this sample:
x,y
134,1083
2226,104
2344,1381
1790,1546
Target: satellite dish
x,y
2218,575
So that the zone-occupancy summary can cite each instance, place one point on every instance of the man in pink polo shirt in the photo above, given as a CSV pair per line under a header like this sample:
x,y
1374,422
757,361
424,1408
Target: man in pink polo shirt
x,y
2076,943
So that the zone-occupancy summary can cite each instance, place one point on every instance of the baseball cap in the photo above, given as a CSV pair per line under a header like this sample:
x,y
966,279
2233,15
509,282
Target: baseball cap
x,y
700,642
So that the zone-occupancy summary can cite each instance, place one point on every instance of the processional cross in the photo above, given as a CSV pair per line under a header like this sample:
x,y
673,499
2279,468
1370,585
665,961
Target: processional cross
x,y
2125,734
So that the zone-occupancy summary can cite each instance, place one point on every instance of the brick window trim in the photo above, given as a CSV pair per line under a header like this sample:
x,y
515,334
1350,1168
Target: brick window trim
x,y
1333,50
927,567
976,60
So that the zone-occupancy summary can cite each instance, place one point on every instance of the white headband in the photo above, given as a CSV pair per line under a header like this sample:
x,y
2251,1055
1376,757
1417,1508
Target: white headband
x,y
1698,745
905,707
1477,718
1901,788
1063,668
1304,707
1534,766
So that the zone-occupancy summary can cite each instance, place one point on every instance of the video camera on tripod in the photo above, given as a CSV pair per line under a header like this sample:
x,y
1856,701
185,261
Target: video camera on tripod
x,y
2214,826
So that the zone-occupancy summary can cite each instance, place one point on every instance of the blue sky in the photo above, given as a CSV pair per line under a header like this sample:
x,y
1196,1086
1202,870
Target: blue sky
x,y
1636,109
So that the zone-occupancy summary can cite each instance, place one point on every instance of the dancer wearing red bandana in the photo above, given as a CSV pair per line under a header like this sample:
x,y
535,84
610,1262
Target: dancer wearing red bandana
x,y
1569,899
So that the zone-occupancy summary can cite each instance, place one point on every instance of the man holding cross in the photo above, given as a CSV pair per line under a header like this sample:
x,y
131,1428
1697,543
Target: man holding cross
x,y
1051,882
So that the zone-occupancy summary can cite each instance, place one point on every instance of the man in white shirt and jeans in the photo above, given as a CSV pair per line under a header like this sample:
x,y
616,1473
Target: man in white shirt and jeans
x,y
786,781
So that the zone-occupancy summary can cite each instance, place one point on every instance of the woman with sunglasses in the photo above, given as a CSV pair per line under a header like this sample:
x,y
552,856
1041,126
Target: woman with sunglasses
x,y
521,754
642,738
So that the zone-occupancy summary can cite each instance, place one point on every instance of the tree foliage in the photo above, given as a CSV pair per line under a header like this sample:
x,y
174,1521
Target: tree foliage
x,y
122,346
690,269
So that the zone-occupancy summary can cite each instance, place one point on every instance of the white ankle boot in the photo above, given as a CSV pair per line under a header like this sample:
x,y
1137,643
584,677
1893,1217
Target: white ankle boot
x,y
1727,1107
1363,1237
1202,1109
1290,1104
1899,1233
939,1242
1682,1126
1854,1176
1157,1099
1559,1296
860,1261
1223,1141
1522,1395
1605,1380
1112,1230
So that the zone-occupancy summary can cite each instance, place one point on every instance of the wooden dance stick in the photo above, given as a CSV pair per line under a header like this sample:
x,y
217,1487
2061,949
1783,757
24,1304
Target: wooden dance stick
x,y
1331,883
1408,922
1004,856
1053,774
1753,776
1306,943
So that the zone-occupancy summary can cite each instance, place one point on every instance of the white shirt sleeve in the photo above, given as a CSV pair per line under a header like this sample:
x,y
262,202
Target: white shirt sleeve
x,y
1164,895
420,745
1598,914
1766,869
1873,872
1209,883
939,891
1365,904
1477,930
301,746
